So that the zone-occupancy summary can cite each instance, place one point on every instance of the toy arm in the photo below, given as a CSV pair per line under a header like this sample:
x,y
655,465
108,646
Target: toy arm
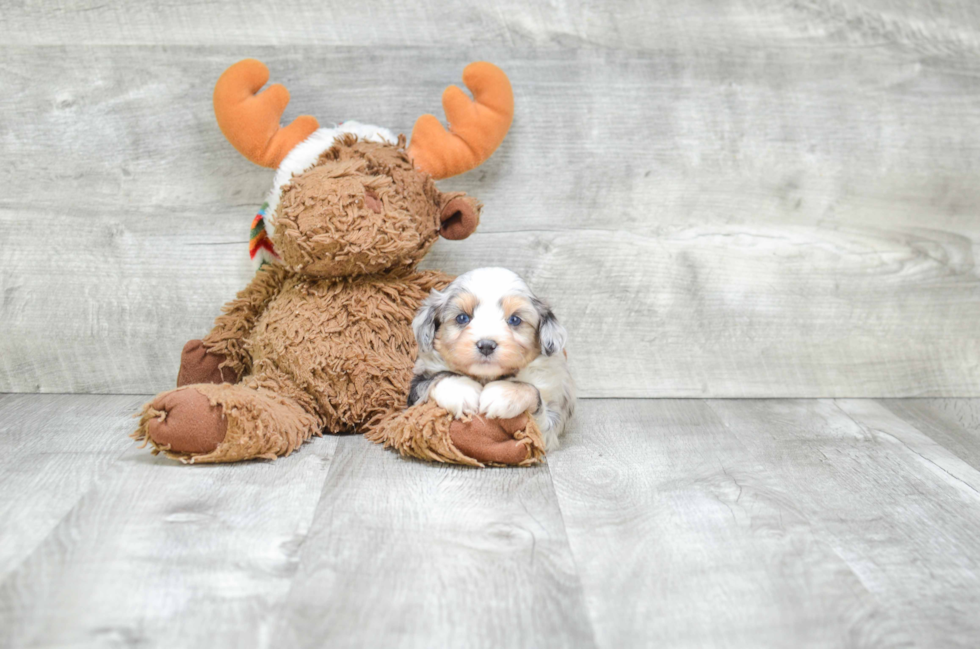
x,y
239,316
427,432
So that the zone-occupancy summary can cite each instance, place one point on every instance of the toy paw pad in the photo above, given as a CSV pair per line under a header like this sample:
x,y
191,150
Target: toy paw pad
x,y
491,440
184,421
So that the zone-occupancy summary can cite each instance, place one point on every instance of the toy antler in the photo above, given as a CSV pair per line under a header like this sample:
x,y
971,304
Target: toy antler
x,y
251,121
476,127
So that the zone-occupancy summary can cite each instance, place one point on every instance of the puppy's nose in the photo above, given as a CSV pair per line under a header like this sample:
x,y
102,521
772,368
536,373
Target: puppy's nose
x,y
486,346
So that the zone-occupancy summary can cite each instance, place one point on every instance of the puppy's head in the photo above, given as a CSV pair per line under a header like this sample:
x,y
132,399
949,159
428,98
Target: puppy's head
x,y
487,324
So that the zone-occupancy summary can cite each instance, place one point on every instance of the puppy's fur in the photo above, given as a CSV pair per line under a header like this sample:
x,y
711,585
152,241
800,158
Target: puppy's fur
x,y
488,345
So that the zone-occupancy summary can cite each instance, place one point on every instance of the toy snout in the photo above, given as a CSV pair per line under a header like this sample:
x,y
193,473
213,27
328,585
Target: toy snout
x,y
338,219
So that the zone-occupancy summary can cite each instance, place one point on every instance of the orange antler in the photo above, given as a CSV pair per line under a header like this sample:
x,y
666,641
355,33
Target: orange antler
x,y
476,127
251,121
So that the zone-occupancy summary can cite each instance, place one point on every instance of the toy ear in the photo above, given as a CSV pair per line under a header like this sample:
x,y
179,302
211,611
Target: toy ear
x,y
459,218
551,334
426,321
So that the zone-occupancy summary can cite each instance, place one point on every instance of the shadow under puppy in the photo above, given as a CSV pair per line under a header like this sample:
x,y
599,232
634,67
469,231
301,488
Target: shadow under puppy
x,y
487,345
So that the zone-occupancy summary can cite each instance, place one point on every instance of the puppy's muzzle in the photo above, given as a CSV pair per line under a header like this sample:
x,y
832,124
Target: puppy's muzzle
x,y
486,346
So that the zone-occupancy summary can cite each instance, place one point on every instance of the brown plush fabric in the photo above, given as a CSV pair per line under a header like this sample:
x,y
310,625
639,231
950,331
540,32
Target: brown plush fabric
x,y
198,366
325,226
259,423
347,343
421,432
324,341
227,338
428,432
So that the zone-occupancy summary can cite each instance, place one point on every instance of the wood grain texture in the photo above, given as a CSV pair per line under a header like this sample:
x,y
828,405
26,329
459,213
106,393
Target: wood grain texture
x,y
161,554
52,451
952,423
694,331
412,555
899,509
721,199
765,222
658,523
944,27
683,537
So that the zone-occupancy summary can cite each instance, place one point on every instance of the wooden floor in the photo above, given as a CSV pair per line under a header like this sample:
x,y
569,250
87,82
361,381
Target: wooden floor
x,y
659,523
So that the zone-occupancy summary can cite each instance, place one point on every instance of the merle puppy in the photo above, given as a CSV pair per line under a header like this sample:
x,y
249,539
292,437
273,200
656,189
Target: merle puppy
x,y
487,345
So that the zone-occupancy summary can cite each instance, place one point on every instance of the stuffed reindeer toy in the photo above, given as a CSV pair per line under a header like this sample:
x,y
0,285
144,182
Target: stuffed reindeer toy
x,y
321,339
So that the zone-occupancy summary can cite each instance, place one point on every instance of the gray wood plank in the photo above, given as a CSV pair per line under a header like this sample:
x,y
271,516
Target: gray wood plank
x,y
166,555
699,330
53,449
901,510
953,423
944,27
404,554
774,221
605,139
683,538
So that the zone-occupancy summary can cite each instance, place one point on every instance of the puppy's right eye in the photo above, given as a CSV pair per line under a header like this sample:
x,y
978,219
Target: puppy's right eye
x,y
462,319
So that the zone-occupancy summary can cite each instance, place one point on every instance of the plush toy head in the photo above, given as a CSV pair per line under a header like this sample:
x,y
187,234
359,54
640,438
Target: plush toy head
x,y
353,199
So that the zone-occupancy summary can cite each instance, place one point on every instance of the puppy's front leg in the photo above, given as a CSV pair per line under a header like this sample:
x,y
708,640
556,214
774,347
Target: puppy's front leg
x,y
506,399
459,395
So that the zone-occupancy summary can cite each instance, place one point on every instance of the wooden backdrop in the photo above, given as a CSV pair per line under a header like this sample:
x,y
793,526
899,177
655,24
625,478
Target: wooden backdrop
x,y
725,199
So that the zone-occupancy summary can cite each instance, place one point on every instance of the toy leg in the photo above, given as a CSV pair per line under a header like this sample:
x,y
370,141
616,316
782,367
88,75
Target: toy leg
x,y
206,423
428,432
197,365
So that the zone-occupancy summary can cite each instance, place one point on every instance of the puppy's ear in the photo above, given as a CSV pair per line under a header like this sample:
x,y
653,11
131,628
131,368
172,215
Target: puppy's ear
x,y
551,334
426,321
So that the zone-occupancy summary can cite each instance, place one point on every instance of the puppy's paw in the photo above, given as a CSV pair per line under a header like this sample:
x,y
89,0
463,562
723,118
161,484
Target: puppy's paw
x,y
506,399
460,395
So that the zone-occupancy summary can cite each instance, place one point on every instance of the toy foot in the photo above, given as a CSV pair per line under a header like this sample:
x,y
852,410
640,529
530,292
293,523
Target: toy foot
x,y
197,365
490,440
208,423
187,422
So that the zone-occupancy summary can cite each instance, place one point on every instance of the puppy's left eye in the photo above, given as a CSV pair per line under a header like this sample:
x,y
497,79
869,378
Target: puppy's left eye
x,y
514,321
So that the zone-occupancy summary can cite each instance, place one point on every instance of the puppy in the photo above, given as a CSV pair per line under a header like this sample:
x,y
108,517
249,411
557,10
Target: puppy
x,y
487,345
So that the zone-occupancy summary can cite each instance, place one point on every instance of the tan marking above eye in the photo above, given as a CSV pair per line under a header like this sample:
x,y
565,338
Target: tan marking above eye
x,y
467,303
515,304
